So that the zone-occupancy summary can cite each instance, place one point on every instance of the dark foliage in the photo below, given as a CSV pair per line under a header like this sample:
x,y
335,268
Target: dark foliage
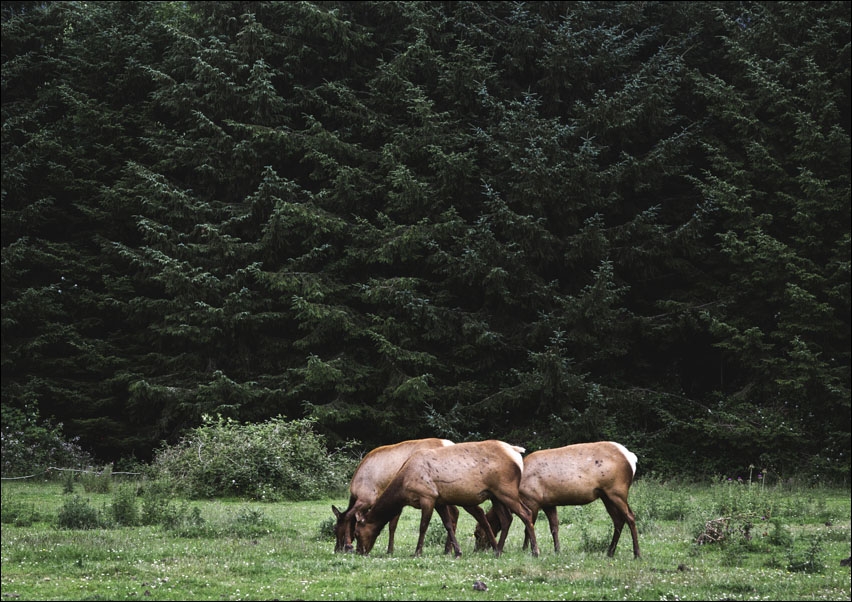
x,y
546,222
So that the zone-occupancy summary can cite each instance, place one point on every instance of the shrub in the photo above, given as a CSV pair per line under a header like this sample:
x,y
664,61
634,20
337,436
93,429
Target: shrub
x,y
271,461
124,509
29,445
76,513
17,513
157,504
325,530
780,535
250,522
97,481
436,533
659,501
68,483
591,539
810,561
186,521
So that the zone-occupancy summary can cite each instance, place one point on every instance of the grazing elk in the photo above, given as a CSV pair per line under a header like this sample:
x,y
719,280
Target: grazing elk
x,y
575,475
464,474
373,474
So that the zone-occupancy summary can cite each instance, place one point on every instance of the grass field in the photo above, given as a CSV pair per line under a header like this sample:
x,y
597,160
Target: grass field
x,y
776,543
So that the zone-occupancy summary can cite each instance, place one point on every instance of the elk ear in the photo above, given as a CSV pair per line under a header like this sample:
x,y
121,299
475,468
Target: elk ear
x,y
336,511
360,516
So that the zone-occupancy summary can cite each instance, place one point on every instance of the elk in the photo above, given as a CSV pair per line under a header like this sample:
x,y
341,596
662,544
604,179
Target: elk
x,y
464,474
575,475
371,477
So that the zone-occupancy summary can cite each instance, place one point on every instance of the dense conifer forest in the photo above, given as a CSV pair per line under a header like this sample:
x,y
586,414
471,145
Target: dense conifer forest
x,y
544,222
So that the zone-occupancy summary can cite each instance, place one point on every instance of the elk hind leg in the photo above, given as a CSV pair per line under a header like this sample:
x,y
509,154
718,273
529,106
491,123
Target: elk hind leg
x,y
505,520
450,519
479,514
524,513
454,516
620,512
553,521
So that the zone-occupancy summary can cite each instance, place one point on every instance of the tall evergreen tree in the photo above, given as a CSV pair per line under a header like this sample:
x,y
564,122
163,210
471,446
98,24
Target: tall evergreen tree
x,y
547,222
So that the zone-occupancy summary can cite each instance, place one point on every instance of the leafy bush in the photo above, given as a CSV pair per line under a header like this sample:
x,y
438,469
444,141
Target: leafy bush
x,y
17,513
809,561
30,445
592,539
271,461
659,501
68,483
250,522
780,535
436,533
325,529
97,481
156,502
77,513
124,508
186,521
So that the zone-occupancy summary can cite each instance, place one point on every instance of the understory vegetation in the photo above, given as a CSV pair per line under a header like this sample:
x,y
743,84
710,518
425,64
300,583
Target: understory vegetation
x,y
272,460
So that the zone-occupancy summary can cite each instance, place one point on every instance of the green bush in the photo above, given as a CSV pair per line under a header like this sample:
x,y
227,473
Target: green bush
x,y
325,529
157,504
77,513
30,445
809,561
125,511
97,481
780,536
270,461
17,513
68,483
250,522
186,521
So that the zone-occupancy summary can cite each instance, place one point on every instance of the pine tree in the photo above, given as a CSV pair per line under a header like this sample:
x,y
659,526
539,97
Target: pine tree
x,y
782,233
546,222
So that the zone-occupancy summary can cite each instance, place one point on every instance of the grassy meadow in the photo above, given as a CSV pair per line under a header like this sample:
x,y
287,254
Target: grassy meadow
x,y
764,542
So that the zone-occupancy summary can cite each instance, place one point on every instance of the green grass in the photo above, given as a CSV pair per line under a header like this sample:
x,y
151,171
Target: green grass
x,y
284,551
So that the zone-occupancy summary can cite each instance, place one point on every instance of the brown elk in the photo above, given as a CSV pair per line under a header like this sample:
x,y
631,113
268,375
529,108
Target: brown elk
x,y
575,475
464,474
371,477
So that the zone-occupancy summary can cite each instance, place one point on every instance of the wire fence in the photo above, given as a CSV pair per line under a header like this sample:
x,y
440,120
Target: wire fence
x,y
50,468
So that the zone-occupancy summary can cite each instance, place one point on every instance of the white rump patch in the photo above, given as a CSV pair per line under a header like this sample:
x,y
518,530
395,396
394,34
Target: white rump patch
x,y
446,442
631,457
514,452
